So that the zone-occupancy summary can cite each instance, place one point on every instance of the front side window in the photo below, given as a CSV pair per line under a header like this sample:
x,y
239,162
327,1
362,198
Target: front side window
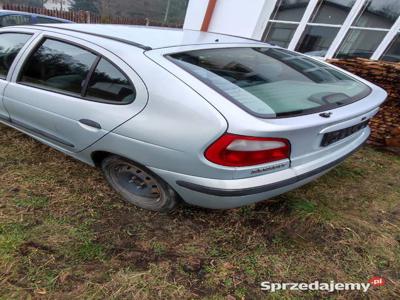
x,y
109,84
59,66
13,20
270,82
10,45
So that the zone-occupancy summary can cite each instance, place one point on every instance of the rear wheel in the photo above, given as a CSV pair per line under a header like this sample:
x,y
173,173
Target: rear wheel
x,y
138,185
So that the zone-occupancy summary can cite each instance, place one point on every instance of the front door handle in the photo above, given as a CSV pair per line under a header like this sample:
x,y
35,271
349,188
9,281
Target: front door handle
x,y
90,123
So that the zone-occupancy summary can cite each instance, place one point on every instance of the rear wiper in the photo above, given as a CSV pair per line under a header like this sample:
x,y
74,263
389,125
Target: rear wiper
x,y
329,98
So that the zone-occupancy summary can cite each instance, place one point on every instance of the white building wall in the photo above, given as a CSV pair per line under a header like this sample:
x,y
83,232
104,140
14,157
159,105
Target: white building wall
x,y
236,17
195,14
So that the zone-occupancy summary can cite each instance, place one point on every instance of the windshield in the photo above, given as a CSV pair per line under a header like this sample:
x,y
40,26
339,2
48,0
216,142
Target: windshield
x,y
272,82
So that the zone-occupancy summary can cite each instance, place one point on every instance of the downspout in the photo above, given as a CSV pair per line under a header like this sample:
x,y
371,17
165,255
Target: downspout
x,y
208,15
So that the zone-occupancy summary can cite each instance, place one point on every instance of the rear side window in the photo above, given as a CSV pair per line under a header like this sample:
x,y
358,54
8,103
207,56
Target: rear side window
x,y
271,82
10,45
58,66
44,20
12,20
109,84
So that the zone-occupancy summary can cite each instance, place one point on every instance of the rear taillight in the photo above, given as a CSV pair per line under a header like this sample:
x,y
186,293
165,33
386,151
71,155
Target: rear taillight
x,y
240,151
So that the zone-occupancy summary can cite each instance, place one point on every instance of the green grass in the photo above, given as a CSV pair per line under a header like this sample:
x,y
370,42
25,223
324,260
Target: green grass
x,y
65,234
11,237
33,202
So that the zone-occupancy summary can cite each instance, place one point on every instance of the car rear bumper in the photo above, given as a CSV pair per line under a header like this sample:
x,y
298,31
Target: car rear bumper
x,y
223,194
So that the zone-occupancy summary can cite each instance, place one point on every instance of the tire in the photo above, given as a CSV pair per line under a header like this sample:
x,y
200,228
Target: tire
x,y
138,185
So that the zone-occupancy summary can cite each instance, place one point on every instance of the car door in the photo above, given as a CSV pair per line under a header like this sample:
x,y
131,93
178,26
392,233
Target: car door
x,y
70,93
11,44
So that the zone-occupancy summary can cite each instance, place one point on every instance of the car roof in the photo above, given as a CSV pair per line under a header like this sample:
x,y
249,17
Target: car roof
x,y
4,12
148,37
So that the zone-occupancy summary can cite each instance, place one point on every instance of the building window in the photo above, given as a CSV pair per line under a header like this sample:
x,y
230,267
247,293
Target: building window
x,y
393,52
323,26
289,10
331,11
316,40
337,28
369,29
378,14
360,43
279,33
284,21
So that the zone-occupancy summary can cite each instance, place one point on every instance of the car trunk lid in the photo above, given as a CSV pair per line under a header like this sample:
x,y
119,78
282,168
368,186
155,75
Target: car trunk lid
x,y
313,140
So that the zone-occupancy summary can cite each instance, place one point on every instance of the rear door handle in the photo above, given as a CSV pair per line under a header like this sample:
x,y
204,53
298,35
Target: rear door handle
x,y
90,123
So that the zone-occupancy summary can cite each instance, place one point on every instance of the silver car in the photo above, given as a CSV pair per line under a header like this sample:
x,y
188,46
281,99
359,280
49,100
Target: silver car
x,y
216,120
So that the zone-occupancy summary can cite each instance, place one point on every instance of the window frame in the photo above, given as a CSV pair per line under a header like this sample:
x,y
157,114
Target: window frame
x,y
360,29
311,25
96,63
395,39
10,71
337,42
270,25
37,17
82,95
16,15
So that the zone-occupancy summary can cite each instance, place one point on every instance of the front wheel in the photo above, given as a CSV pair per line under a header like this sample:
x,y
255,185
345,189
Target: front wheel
x,y
138,185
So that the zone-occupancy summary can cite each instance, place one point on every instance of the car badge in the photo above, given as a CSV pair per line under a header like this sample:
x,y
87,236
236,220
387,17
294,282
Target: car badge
x,y
325,114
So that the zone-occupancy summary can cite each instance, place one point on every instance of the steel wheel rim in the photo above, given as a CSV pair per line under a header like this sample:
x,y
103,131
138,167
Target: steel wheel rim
x,y
136,181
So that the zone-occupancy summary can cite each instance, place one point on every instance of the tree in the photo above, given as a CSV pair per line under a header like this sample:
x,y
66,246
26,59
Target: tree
x,y
34,3
176,12
87,5
162,11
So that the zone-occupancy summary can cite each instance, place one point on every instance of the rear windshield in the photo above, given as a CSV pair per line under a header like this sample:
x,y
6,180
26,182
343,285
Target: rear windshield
x,y
272,82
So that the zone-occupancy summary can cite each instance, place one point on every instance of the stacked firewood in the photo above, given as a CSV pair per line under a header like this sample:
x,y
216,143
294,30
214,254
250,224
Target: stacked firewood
x,y
386,124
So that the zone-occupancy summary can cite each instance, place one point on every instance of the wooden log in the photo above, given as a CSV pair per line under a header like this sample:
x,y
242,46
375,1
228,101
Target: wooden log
x,y
386,125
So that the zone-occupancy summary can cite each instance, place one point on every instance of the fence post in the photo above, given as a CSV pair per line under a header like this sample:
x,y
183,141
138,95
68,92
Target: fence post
x,y
88,17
